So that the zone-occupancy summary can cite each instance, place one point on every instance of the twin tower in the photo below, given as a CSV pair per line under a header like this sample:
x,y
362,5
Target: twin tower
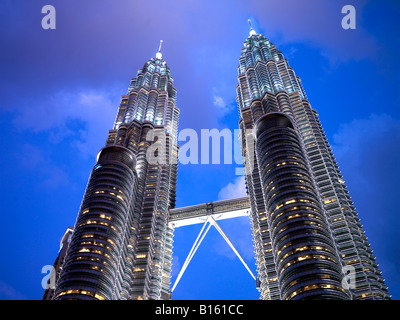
x,y
308,240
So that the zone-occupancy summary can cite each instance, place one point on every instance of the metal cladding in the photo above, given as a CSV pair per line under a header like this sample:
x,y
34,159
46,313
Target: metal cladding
x,y
102,240
121,247
271,121
58,263
307,235
117,154
304,250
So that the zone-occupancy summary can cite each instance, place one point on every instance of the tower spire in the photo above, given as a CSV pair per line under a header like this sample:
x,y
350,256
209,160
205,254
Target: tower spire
x,y
252,31
159,54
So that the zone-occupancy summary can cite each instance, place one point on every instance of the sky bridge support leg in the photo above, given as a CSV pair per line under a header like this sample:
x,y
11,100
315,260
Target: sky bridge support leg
x,y
211,222
192,251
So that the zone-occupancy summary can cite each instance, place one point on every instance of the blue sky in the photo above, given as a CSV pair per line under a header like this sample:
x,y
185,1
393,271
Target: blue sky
x,y
60,90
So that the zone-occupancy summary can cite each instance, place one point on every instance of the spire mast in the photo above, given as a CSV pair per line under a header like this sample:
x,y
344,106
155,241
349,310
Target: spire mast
x,y
159,54
252,31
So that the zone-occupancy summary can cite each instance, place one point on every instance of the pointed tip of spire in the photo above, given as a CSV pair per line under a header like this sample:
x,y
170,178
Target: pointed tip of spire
x,y
159,54
252,31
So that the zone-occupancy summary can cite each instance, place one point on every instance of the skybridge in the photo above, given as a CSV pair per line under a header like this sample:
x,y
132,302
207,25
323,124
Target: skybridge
x,y
208,214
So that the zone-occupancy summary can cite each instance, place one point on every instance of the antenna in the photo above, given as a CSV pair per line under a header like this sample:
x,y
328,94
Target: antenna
x,y
252,31
249,20
159,54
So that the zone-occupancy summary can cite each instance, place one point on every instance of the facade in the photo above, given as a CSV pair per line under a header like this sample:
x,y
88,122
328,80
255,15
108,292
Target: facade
x,y
307,235
301,211
58,263
121,247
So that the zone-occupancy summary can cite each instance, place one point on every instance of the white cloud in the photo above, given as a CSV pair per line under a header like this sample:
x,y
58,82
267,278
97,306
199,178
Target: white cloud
x,y
221,105
34,159
99,113
84,116
238,230
234,189
176,266
219,102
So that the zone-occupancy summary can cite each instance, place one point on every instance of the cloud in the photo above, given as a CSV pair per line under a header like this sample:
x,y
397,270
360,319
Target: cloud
x,y
7,292
83,116
222,107
219,102
370,149
318,23
176,266
368,153
235,189
99,113
37,161
238,230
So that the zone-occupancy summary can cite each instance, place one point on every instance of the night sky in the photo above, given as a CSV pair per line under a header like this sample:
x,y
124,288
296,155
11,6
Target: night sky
x,y
60,90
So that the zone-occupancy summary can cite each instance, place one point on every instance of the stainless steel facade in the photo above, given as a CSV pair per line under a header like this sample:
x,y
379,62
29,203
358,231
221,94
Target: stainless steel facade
x,y
306,262
57,266
267,85
121,247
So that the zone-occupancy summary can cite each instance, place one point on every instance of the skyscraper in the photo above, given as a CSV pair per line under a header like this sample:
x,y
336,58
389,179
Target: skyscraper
x,y
57,266
121,245
306,231
308,240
